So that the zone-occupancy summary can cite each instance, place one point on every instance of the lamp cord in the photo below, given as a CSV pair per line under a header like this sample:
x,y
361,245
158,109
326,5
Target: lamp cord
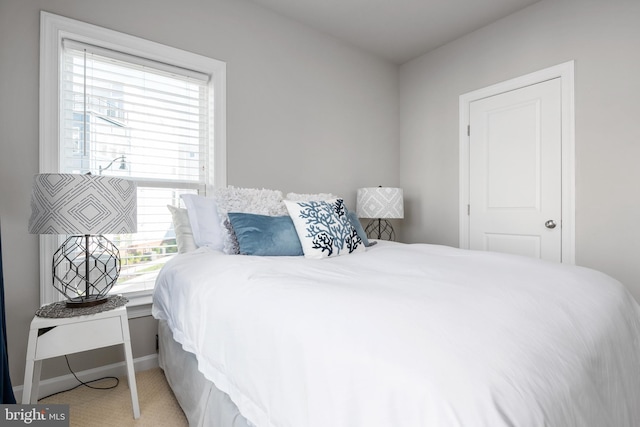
x,y
84,383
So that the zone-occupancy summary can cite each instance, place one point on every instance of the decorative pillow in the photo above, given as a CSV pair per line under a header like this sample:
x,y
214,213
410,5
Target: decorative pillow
x,y
355,222
265,235
182,228
324,228
204,219
301,197
234,246
246,200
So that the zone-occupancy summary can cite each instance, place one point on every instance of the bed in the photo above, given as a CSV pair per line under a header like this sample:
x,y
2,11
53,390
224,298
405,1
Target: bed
x,y
397,335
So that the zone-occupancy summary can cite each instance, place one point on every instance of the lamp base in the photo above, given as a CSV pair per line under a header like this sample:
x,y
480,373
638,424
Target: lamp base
x,y
85,268
380,229
85,302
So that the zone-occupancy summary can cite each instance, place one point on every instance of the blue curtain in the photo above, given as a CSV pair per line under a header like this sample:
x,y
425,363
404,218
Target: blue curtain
x,y
6,391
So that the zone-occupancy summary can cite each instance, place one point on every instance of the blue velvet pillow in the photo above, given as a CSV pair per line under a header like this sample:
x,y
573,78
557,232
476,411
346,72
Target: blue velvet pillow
x,y
355,222
265,235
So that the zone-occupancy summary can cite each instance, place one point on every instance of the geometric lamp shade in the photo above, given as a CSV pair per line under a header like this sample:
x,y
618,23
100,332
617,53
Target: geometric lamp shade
x,y
87,264
82,204
380,202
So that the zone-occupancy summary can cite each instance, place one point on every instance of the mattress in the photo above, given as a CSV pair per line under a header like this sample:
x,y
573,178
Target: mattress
x,y
415,335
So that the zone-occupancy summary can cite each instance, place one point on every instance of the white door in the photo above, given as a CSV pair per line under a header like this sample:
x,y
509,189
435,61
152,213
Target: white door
x,y
515,171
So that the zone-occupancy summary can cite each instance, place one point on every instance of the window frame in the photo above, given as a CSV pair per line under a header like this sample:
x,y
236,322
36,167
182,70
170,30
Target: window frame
x,y
53,29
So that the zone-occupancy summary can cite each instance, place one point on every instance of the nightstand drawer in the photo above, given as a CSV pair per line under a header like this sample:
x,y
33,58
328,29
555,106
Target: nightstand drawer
x,y
80,336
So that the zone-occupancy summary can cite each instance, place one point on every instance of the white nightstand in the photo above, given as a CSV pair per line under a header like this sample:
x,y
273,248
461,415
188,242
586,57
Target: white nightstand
x,y
51,337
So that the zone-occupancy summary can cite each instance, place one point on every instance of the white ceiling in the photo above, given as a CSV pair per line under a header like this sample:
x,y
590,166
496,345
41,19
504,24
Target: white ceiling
x,y
397,30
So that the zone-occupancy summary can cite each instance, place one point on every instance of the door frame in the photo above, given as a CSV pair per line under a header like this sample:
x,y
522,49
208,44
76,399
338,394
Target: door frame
x,y
565,72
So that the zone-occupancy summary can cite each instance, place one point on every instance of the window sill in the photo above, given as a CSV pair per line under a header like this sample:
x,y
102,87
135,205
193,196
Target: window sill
x,y
139,304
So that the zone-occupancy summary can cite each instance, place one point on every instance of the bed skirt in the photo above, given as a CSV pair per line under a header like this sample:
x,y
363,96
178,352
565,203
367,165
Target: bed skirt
x,y
203,404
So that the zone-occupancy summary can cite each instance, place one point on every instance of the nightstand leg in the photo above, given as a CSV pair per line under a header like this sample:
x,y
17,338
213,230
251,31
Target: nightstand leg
x,y
27,391
35,388
131,377
131,373
31,385
28,383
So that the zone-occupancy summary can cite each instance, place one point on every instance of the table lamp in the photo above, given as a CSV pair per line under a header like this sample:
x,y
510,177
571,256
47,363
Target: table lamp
x,y
380,204
87,264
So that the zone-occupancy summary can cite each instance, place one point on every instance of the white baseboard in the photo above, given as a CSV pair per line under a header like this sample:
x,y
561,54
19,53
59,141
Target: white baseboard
x,y
56,384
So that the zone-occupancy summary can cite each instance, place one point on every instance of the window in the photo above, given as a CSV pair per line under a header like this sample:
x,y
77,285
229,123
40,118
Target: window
x,y
117,105
122,118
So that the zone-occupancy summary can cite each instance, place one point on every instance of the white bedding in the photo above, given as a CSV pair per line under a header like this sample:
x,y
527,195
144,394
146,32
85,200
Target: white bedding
x,y
408,335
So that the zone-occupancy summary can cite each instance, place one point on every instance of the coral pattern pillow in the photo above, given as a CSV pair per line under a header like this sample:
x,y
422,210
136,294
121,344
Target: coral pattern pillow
x,y
324,228
355,221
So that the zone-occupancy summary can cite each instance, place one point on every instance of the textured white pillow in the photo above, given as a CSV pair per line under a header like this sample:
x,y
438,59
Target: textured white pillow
x,y
182,228
324,228
246,200
204,220
302,197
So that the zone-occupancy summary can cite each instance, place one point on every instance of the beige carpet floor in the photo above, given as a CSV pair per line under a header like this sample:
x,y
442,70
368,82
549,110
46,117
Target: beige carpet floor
x,y
108,408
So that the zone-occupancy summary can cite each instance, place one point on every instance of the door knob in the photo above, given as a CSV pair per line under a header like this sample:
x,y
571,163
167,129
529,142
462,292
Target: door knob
x,y
550,224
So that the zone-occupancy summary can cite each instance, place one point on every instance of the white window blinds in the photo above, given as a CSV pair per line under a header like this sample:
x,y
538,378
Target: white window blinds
x,y
131,117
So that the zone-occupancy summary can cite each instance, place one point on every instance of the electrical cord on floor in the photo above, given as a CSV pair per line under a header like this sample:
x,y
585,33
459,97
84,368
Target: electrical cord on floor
x,y
84,383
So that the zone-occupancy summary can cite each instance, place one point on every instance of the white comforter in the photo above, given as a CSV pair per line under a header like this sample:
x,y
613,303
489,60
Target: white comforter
x,y
408,335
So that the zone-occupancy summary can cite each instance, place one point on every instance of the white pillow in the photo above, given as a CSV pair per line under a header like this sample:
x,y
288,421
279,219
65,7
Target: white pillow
x,y
182,228
301,197
204,220
245,200
324,228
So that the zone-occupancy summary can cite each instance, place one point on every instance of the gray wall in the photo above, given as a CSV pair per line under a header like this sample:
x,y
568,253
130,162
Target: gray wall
x,y
603,37
306,113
